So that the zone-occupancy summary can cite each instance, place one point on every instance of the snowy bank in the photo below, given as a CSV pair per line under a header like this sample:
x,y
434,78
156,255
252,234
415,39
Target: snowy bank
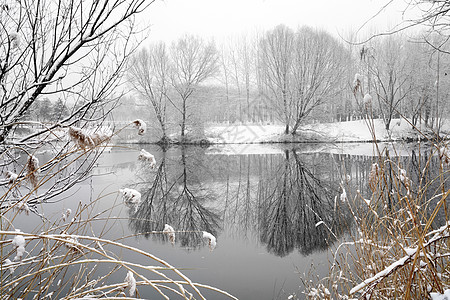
x,y
351,131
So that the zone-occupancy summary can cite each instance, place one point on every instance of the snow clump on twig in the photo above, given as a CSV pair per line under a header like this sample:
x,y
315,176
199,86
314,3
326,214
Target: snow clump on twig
x,y
19,242
131,283
130,196
11,177
357,82
6,265
71,244
14,40
140,125
170,233
343,196
66,214
211,240
22,206
146,156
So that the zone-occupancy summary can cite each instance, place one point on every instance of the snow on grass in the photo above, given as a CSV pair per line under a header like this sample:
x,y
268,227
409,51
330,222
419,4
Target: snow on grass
x,y
240,134
441,233
351,131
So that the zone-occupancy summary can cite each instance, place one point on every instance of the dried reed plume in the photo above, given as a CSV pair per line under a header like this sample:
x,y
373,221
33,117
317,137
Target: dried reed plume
x,y
146,156
373,177
140,125
32,167
131,283
85,140
130,196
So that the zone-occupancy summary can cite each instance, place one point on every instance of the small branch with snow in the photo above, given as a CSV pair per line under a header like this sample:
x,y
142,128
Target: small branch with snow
x,y
441,233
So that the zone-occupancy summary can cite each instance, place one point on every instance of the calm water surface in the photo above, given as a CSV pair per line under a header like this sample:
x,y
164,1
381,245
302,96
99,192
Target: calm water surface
x,y
265,206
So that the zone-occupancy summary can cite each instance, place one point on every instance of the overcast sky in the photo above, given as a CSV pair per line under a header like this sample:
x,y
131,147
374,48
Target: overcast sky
x,y
223,18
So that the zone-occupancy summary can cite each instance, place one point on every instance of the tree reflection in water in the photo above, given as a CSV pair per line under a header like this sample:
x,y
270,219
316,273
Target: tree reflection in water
x,y
285,201
176,197
297,210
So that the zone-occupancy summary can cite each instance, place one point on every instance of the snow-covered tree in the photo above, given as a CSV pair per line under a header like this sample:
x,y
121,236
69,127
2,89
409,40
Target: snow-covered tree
x,y
59,49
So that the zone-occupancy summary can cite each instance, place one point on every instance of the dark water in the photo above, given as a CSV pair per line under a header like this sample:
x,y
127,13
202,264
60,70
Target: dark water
x,y
274,212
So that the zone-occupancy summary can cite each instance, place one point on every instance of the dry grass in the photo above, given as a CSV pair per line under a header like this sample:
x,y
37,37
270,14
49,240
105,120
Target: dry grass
x,y
400,245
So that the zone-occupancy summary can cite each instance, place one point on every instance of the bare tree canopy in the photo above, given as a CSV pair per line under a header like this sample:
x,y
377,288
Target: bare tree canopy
x,y
60,65
193,61
149,74
301,70
61,47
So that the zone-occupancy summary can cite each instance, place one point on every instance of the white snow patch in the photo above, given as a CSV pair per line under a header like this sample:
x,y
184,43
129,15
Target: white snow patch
x,y
343,196
212,240
170,232
439,296
19,242
11,176
319,223
131,282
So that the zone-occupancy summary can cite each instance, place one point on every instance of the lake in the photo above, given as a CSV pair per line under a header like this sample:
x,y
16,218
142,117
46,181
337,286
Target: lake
x,y
274,209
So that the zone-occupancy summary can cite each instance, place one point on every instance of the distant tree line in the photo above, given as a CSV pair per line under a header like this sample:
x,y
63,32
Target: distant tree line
x,y
45,110
290,77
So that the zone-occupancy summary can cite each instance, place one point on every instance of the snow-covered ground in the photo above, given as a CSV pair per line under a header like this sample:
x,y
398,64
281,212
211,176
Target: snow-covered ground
x,y
352,131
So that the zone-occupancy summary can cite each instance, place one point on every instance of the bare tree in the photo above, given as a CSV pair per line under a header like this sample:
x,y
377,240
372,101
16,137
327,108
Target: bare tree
x,y
318,68
301,71
193,61
61,52
75,51
390,76
276,58
149,75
